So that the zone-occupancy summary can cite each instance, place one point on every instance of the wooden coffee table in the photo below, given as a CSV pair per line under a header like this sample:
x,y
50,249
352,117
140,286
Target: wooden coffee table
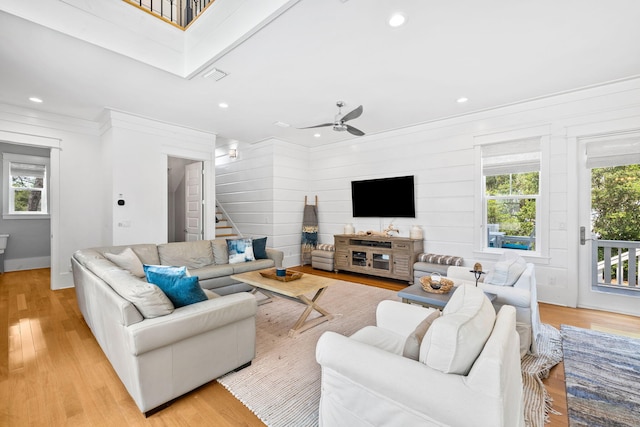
x,y
294,290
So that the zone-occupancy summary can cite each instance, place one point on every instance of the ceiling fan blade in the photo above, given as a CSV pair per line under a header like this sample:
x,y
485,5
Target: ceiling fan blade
x,y
318,126
354,131
354,114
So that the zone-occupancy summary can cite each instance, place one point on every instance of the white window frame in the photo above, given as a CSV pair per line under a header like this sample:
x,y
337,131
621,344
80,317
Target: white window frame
x,y
8,190
481,247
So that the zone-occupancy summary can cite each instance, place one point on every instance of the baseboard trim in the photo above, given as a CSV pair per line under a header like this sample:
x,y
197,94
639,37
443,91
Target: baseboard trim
x,y
19,264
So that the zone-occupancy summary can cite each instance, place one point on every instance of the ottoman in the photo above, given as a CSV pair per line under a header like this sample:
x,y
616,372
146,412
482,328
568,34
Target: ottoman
x,y
322,257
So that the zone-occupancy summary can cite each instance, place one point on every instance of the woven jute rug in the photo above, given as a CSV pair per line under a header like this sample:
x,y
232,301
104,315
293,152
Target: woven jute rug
x,y
602,372
282,386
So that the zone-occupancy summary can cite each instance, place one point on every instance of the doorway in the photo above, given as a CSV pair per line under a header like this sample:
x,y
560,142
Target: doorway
x,y
609,217
185,199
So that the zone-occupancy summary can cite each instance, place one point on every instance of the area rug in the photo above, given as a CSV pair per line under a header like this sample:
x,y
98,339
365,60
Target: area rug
x,y
602,372
537,402
282,386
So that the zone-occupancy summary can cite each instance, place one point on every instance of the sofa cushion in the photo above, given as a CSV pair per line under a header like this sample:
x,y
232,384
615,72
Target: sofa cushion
x,y
191,254
507,271
240,250
220,251
454,341
127,260
413,341
259,248
259,264
212,271
181,290
147,298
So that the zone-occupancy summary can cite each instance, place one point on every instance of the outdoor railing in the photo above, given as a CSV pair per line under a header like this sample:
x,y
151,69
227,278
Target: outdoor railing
x,y
177,12
619,265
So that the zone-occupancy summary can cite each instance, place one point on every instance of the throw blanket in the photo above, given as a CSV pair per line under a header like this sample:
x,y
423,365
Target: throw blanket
x,y
309,233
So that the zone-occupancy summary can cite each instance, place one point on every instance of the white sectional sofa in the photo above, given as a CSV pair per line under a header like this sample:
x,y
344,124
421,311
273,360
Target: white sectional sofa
x,y
158,351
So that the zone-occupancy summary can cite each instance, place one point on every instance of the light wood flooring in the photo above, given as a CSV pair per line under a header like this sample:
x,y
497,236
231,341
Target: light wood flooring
x,y
53,373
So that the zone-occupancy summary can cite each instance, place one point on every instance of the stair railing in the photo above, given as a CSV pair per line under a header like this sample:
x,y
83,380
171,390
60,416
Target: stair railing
x,y
234,227
177,12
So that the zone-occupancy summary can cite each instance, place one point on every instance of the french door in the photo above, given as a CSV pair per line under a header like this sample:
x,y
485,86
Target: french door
x,y
606,268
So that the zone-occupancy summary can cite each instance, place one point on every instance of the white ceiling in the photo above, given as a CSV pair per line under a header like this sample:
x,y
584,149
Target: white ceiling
x,y
495,52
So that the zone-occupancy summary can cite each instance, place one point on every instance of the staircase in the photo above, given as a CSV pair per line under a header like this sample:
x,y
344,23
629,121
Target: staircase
x,y
224,227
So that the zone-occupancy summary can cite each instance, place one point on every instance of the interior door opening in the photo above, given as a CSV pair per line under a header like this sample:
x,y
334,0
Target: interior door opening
x,y
185,198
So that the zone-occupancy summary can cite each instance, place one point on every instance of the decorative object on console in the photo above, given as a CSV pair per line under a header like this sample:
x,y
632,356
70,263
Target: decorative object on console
x,y
416,232
349,229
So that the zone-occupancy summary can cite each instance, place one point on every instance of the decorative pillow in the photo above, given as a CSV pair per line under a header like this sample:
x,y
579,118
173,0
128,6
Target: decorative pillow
x,y
127,260
181,290
240,250
260,248
454,341
506,272
168,270
413,342
147,298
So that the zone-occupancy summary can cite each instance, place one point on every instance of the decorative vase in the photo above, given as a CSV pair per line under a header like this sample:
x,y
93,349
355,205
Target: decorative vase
x,y
416,232
348,229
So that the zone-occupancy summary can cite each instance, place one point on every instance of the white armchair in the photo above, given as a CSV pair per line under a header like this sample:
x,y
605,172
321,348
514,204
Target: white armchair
x,y
522,295
364,384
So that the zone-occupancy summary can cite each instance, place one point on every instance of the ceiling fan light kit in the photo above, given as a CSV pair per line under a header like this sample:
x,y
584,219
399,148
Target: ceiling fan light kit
x,y
339,124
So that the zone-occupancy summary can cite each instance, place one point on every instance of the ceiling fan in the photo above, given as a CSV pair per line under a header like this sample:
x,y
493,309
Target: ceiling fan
x,y
339,124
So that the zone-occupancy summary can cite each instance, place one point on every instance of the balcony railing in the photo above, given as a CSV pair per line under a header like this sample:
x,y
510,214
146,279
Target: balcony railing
x,y
616,264
178,12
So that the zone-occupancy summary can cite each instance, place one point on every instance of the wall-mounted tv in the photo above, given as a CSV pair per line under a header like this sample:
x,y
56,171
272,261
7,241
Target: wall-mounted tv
x,y
384,197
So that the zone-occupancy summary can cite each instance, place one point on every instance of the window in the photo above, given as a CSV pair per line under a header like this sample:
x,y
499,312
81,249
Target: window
x,y
511,193
25,186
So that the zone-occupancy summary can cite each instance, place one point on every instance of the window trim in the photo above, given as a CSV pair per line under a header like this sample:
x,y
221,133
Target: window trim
x,y
7,159
542,134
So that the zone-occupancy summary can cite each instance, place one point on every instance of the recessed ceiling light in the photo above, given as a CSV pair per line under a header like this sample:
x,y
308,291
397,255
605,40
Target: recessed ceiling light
x,y
462,100
223,105
397,20
36,100
317,135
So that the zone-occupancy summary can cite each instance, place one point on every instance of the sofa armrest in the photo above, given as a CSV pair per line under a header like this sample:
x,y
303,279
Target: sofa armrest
x,y
189,321
399,317
509,295
276,255
394,378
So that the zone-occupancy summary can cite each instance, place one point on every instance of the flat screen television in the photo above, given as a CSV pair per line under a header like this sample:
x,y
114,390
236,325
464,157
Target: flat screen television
x,y
384,197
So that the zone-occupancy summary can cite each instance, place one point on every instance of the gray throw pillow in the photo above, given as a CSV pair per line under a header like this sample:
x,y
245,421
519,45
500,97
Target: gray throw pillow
x,y
413,342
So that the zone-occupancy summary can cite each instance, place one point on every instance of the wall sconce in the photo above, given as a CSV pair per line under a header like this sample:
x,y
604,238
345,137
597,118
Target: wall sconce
x,y
233,153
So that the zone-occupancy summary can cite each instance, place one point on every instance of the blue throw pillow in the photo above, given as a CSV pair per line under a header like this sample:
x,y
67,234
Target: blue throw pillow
x,y
260,248
181,290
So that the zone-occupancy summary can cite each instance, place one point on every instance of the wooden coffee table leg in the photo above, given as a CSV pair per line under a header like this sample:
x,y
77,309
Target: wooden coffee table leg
x,y
303,324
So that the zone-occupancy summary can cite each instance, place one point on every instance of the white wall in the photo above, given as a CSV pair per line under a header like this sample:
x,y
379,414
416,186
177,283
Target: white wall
x,y
76,215
442,157
139,149
97,161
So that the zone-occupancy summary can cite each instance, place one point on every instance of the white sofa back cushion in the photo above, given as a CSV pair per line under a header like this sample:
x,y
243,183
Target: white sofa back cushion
x,y
454,341
507,270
